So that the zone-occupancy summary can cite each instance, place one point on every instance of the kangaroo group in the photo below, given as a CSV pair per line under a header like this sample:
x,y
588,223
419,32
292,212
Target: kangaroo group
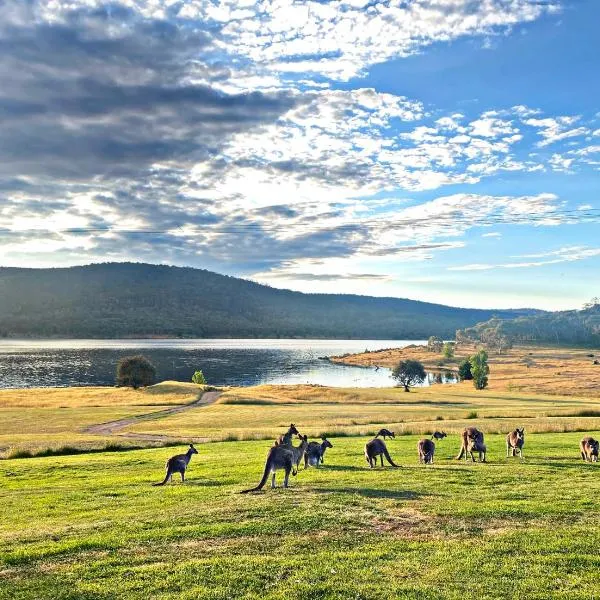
x,y
285,456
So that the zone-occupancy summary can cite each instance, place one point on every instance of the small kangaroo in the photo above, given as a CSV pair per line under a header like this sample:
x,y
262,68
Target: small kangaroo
x,y
375,448
279,457
385,433
178,464
287,437
514,442
315,452
438,435
426,449
470,433
589,449
299,452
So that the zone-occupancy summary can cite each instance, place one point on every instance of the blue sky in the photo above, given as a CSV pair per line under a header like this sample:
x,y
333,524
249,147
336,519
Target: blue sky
x,y
446,151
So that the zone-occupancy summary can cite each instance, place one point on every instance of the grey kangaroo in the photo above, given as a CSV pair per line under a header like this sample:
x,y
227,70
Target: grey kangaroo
x,y
280,457
287,437
375,448
426,449
385,433
470,434
178,464
478,446
299,452
438,435
589,449
315,452
514,442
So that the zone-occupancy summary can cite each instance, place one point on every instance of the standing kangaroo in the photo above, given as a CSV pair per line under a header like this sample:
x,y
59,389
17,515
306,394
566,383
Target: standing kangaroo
x,y
385,433
287,437
514,442
178,464
375,448
279,457
469,434
589,449
426,449
299,452
315,452
476,446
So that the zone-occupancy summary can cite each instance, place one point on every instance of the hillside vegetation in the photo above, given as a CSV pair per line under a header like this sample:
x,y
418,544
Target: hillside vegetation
x,y
565,328
137,300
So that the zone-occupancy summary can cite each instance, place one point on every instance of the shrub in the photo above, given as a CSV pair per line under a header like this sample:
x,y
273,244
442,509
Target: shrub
x,y
198,377
449,350
135,372
472,415
464,370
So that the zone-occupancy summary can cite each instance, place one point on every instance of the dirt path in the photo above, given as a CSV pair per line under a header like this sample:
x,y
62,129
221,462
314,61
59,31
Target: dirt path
x,y
112,428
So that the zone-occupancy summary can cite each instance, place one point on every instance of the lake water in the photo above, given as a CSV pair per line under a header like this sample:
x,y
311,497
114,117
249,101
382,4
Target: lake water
x,y
33,363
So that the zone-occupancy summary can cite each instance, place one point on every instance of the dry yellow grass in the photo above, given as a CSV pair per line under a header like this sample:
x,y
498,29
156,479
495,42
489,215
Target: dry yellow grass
x,y
559,371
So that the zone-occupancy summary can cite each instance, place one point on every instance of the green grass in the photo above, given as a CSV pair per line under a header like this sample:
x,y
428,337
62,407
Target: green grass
x,y
92,527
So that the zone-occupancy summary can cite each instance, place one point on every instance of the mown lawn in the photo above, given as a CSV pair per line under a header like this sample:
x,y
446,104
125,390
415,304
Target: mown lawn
x,y
92,526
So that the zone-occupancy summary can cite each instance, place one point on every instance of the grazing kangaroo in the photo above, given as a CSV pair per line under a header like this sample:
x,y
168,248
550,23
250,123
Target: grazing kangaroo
x,y
375,448
315,452
470,433
476,446
298,452
425,448
589,449
287,437
279,457
178,464
514,442
438,435
385,433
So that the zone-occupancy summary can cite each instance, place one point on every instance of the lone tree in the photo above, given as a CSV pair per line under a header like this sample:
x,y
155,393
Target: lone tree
x,y
409,372
480,369
135,371
198,377
435,344
464,370
449,350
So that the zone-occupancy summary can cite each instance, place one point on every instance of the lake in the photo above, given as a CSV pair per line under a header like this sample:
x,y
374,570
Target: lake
x,y
61,363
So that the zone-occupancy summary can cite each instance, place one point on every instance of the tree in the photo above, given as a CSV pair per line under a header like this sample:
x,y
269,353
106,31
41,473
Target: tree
x,y
480,369
409,372
449,350
434,344
464,370
135,371
198,377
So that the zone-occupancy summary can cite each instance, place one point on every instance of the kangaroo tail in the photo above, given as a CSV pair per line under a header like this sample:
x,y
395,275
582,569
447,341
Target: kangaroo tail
x,y
265,476
163,481
389,458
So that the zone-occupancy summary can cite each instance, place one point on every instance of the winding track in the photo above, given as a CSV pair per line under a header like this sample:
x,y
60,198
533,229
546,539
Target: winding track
x,y
112,428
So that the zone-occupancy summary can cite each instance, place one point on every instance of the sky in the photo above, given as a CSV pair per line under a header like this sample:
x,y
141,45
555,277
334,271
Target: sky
x,y
439,150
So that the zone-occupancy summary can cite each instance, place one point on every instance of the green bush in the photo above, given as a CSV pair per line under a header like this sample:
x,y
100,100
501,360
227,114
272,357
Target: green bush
x,y
198,377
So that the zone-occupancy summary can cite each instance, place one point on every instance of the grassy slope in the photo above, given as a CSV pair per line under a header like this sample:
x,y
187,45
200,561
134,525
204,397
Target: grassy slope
x,y
92,527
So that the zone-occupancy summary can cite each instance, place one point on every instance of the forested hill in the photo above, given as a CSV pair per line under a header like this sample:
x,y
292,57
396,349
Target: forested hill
x,y
565,328
130,299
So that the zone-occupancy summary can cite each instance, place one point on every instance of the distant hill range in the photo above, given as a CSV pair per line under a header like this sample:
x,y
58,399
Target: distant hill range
x,y
142,300
563,328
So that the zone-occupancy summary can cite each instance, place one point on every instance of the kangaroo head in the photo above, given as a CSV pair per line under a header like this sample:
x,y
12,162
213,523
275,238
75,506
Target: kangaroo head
x,y
293,429
192,449
327,443
520,433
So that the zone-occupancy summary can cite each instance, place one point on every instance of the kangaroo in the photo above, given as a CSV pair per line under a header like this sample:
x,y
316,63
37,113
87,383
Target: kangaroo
x,y
589,449
299,452
178,464
279,457
375,448
425,448
315,452
470,433
476,446
514,442
385,433
438,435
287,437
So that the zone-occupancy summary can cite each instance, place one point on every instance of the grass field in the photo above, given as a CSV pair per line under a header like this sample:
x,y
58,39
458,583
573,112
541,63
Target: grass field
x,y
91,526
